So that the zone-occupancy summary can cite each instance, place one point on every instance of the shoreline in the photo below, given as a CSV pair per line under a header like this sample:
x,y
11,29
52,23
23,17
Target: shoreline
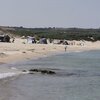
x,y
14,52
38,51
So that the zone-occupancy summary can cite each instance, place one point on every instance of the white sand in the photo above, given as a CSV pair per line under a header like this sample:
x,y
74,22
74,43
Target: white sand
x,y
19,51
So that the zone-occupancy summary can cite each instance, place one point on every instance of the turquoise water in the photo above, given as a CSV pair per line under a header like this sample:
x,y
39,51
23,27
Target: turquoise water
x,y
77,78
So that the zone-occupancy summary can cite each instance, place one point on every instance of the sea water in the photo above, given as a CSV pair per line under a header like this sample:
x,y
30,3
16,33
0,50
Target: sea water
x,y
77,78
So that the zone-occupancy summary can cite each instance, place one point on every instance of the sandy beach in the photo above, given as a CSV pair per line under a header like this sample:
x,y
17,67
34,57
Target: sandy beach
x,y
21,50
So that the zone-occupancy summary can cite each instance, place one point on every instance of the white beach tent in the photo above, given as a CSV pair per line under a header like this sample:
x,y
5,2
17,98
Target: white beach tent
x,y
30,39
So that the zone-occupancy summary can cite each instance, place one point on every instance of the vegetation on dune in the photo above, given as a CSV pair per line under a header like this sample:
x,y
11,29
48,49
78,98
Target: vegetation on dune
x,y
57,33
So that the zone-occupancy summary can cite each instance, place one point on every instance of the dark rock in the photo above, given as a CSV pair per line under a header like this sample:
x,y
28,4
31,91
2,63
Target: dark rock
x,y
42,71
51,72
24,70
47,72
34,70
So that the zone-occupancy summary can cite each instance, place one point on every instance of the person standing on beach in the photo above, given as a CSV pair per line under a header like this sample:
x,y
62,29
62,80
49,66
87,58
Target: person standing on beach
x,y
13,39
65,48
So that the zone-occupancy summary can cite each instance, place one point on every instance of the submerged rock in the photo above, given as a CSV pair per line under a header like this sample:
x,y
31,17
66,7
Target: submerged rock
x,y
47,72
34,70
24,70
41,71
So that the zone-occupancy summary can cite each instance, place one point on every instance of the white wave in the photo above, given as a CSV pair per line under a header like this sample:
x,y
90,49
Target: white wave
x,y
4,75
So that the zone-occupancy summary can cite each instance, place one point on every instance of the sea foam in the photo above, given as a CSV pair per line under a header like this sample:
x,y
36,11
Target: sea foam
x,y
4,75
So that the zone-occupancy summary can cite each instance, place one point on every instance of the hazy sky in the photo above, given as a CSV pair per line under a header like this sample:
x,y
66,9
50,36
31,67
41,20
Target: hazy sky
x,y
50,13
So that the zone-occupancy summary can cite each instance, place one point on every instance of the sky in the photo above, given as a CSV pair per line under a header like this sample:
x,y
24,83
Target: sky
x,y
50,13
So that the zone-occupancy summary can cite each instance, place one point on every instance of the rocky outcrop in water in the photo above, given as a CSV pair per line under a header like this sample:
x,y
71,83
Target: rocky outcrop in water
x,y
42,71
49,71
